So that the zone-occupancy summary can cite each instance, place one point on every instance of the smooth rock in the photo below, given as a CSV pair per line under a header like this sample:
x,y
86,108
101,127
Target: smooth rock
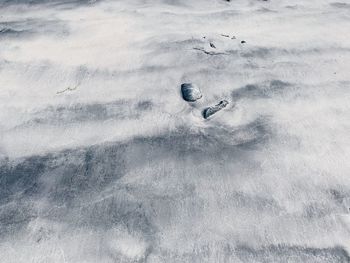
x,y
190,92
214,109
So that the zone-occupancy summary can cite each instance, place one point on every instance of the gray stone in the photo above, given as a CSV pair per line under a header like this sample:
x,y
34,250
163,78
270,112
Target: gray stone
x,y
190,92
214,109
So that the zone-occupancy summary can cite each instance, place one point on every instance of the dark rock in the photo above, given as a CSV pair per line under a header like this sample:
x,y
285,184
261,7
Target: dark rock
x,y
190,92
212,45
214,109
243,42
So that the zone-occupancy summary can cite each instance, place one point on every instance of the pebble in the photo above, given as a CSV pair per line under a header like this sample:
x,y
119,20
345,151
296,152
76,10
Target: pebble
x,y
214,109
190,92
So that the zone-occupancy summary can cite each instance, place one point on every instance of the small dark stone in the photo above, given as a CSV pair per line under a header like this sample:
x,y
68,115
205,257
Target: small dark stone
x,y
243,42
212,45
190,92
214,109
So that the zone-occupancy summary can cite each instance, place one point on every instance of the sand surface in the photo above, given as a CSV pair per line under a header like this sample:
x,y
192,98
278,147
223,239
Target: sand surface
x,y
101,159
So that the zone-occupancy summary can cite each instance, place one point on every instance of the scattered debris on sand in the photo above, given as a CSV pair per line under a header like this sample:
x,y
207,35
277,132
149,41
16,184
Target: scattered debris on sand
x,y
214,109
228,36
67,89
190,92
